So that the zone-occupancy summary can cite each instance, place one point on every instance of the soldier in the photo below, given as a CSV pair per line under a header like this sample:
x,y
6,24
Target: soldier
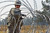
x,y
13,17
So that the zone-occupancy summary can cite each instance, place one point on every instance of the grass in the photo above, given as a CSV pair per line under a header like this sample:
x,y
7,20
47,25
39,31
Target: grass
x,y
25,29
3,32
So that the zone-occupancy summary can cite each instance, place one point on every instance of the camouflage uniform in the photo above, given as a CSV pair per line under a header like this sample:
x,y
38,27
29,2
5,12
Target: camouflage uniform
x,y
11,21
14,15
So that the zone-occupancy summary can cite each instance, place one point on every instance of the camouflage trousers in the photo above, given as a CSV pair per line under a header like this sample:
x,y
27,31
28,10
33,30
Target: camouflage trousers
x,y
12,22
11,27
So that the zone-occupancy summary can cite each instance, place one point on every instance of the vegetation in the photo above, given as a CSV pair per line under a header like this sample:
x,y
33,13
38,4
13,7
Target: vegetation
x,y
26,28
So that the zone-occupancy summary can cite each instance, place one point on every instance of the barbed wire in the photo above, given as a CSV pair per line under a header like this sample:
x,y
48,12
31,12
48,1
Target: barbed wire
x,y
29,8
6,12
6,1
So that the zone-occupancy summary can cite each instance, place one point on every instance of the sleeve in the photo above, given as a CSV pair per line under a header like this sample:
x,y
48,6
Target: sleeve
x,y
9,17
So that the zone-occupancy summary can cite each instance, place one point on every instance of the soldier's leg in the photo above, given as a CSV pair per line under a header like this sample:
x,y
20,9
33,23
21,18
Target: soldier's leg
x,y
17,30
10,29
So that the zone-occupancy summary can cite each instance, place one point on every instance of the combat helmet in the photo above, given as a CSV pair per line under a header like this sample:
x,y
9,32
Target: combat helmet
x,y
18,2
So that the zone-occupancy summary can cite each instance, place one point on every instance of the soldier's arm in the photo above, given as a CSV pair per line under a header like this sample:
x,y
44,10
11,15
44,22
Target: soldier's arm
x,y
9,17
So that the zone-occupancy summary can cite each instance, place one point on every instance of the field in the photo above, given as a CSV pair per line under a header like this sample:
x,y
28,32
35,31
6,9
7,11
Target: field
x,y
26,29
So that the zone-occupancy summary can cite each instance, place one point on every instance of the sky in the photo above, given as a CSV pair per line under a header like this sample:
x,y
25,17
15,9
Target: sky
x,y
39,6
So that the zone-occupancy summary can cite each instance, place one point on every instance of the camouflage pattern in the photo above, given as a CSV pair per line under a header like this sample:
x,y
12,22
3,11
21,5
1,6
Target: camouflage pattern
x,y
11,21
